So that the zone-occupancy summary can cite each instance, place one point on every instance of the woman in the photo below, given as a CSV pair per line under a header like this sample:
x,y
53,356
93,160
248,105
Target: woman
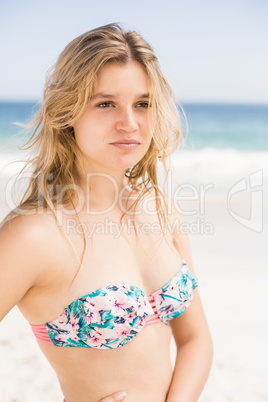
x,y
93,255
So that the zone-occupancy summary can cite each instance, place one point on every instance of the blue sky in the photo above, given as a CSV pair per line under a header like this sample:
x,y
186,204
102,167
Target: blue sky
x,y
209,51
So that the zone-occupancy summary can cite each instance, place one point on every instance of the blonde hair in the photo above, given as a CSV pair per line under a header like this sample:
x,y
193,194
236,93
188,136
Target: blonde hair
x,y
68,89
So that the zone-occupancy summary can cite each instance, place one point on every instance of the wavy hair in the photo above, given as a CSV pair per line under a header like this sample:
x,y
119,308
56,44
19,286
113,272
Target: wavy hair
x,y
67,92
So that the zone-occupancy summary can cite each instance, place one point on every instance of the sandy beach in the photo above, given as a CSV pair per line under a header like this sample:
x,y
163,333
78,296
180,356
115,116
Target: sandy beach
x,y
63,83
231,264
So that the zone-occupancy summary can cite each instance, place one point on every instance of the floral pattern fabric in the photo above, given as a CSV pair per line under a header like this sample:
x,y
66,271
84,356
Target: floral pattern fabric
x,y
105,319
174,298
113,315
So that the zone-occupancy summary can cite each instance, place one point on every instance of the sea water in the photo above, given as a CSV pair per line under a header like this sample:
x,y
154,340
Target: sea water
x,y
225,144
217,126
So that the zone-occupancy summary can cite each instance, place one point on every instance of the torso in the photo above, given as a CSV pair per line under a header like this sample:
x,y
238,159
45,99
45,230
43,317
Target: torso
x,y
142,367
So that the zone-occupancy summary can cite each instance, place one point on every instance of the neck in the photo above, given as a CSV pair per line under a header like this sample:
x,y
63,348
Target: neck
x,y
102,192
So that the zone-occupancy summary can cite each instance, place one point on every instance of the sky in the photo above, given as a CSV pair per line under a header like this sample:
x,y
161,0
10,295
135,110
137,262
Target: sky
x,y
209,51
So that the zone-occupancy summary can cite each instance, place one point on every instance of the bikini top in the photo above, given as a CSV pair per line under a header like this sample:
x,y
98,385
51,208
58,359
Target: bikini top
x,y
113,315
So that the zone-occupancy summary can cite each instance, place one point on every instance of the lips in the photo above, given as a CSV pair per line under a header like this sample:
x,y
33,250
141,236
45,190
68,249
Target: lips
x,y
126,145
125,141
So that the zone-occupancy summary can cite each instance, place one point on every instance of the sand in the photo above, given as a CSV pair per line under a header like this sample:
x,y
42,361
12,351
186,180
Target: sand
x,y
232,267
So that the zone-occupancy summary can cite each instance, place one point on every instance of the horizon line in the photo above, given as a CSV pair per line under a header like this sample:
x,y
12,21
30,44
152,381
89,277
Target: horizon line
x,y
178,102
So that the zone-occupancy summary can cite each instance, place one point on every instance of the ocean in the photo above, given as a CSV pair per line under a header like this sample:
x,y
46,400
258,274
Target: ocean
x,y
225,144
219,126
241,127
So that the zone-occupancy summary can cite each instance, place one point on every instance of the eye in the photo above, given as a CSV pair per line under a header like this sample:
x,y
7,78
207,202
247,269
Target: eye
x,y
105,104
144,105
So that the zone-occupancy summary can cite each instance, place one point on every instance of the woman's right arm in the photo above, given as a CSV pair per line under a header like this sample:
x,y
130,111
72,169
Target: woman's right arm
x,y
23,255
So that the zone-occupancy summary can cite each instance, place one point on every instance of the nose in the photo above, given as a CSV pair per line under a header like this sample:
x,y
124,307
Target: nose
x,y
127,120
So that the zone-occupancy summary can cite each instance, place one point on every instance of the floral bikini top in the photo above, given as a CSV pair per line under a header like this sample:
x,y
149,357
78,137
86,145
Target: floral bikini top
x,y
113,315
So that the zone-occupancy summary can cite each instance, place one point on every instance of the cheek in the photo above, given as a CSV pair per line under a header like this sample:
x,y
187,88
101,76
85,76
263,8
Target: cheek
x,y
84,139
87,133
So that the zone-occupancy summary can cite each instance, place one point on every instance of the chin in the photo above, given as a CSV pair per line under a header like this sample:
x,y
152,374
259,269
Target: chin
x,y
126,164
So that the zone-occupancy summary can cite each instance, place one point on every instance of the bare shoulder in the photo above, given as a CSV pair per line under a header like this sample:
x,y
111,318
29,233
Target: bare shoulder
x,y
24,250
27,227
30,238
26,239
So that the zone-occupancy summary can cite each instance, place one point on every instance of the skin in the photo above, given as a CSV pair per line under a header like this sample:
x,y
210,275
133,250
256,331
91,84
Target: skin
x,y
119,111
39,282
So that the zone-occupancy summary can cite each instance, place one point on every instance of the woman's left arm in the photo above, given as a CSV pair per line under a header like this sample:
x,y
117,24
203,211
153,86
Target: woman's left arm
x,y
192,337
194,354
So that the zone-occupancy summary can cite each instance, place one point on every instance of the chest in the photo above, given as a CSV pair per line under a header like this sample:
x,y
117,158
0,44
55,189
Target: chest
x,y
111,256
115,255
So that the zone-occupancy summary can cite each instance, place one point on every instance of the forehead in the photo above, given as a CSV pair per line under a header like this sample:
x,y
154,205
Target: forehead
x,y
114,77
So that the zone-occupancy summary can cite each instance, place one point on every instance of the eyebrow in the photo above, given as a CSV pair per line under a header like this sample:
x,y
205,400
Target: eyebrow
x,y
113,96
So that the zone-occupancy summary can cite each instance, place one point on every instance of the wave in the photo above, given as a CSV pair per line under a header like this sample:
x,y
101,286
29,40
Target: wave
x,y
219,167
11,162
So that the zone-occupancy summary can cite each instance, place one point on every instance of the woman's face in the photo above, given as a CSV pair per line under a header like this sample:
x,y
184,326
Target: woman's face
x,y
118,112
